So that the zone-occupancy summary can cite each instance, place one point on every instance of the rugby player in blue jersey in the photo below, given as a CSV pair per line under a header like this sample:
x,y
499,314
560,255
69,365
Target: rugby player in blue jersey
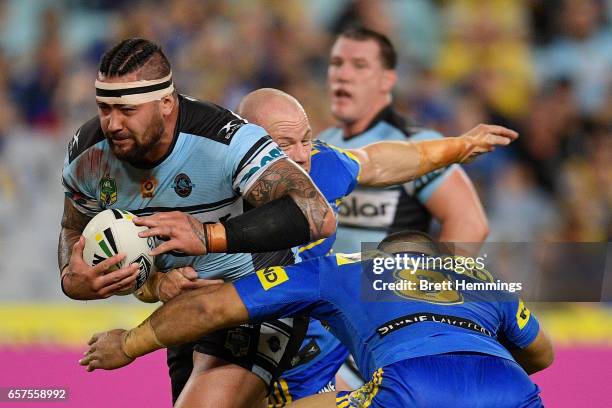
x,y
450,347
336,172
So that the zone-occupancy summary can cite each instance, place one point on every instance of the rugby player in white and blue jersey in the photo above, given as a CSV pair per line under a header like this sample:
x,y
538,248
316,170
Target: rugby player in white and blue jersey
x,y
190,170
361,77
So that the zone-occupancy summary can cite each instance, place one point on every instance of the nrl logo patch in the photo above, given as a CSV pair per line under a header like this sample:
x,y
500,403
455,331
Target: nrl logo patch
x,y
108,191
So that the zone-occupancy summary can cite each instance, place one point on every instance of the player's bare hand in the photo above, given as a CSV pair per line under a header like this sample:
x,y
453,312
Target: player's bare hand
x,y
85,282
483,138
105,351
180,232
179,280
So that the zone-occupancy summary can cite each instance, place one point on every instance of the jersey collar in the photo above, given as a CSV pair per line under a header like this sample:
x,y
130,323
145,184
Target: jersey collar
x,y
388,115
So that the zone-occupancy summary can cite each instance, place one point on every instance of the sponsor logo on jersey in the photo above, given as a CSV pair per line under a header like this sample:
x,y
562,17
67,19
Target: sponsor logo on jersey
x,y
74,143
182,185
230,128
272,276
267,158
108,191
147,187
369,208
352,208
306,354
522,315
409,320
329,387
446,295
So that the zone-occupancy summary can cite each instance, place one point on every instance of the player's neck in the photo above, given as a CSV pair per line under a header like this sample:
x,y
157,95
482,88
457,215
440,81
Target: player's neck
x,y
350,129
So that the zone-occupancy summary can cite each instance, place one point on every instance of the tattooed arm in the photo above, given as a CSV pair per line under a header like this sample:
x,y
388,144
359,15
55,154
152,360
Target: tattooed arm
x,y
73,223
290,211
285,178
79,280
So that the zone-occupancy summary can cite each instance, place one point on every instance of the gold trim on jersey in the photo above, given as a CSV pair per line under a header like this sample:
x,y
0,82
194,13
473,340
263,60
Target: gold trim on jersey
x,y
362,397
280,396
311,245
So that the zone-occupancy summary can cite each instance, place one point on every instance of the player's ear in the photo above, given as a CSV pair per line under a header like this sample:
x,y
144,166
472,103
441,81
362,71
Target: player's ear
x,y
167,104
389,79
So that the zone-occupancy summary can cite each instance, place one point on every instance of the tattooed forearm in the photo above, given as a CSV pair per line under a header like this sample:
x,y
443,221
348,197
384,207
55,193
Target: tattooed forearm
x,y
73,223
285,178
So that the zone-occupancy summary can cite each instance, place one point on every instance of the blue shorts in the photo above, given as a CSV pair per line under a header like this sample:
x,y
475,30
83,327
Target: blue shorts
x,y
318,377
447,380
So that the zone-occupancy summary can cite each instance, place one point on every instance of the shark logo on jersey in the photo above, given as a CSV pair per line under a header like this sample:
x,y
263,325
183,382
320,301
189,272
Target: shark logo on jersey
x,y
182,185
230,128
108,191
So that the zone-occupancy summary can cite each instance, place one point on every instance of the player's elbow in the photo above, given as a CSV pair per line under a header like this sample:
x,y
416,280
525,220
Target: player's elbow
x,y
475,224
329,226
480,226
326,227
537,356
318,216
545,357
548,358
542,361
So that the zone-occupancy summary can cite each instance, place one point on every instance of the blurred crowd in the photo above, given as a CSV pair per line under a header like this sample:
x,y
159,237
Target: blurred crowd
x,y
541,67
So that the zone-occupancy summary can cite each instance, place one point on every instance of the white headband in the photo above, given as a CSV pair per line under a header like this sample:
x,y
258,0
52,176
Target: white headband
x,y
135,92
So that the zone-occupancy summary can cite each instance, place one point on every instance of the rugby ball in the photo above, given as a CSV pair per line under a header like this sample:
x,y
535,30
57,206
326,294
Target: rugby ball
x,y
111,232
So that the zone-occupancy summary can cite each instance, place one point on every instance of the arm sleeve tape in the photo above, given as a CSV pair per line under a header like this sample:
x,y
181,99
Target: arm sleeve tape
x,y
279,224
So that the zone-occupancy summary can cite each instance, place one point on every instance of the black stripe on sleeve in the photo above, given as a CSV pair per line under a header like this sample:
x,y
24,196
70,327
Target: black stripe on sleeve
x,y
253,151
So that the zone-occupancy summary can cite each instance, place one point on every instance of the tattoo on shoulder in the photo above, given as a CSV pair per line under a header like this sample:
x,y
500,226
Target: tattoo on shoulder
x,y
283,178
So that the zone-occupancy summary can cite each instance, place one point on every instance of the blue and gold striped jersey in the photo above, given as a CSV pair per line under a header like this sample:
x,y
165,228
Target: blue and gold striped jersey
x,y
379,333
